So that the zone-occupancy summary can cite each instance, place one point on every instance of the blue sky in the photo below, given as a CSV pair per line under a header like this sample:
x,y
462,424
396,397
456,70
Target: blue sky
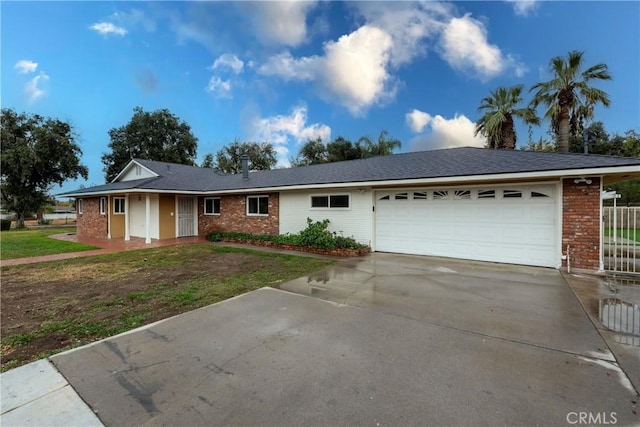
x,y
286,72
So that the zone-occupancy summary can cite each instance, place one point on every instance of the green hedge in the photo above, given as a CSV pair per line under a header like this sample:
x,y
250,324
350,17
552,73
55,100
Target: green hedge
x,y
316,235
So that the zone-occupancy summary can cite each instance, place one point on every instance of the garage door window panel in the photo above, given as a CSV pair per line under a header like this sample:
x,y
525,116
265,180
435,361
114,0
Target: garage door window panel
x,y
537,194
441,195
462,195
512,194
486,194
419,195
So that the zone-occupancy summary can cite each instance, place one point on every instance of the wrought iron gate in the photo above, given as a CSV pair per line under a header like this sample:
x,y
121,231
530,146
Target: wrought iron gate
x,y
621,239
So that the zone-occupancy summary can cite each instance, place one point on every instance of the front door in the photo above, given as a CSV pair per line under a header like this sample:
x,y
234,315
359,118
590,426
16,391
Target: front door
x,y
186,216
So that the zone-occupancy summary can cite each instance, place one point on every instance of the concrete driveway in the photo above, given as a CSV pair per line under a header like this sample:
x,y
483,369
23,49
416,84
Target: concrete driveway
x,y
383,340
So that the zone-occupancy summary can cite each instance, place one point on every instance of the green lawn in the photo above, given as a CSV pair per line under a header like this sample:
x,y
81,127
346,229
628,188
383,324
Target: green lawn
x,y
35,242
52,306
624,233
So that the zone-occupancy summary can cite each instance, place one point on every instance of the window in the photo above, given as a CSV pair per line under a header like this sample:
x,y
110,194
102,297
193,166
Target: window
x,y
118,205
419,195
537,194
212,206
384,198
486,194
462,195
509,194
441,195
401,196
79,205
337,201
103,205
258,205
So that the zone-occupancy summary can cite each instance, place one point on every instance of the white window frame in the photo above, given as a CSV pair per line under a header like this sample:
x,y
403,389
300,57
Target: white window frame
x,y
258,199
103,205
329,196
80,206
213,206
123,204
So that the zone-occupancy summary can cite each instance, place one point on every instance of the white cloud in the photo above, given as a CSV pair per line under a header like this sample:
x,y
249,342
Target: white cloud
x,y
33,89
465,48
446,133
417,120
285,66
107,28
219,88
523,7
280,130
409,24
353,69
25,66
228,61
280,23
356,68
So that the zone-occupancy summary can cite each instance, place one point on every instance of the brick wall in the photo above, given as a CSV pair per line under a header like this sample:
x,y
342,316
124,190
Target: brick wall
x,y
233,217
581,223
90,223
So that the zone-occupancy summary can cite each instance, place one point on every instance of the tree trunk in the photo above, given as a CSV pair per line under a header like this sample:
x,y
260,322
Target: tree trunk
x,y
564,100
508,134
20,220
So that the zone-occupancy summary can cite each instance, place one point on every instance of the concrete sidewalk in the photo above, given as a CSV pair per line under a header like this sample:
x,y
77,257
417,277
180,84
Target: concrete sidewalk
x,y
38,395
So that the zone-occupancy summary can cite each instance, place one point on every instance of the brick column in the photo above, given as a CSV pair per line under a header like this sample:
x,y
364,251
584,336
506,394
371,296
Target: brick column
x,y
581,223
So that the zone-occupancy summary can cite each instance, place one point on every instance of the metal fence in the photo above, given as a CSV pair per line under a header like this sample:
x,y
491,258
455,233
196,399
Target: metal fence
x,y
621,239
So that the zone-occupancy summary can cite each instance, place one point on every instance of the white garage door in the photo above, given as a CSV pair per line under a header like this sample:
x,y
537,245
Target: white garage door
x,y
503,224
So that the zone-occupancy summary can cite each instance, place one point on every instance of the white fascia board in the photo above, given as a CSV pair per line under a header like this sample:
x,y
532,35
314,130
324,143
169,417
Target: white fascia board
x,y
469,179
133,191
129,165
453,180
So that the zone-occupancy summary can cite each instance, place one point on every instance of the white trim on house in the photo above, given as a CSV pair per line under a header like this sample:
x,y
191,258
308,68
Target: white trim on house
x,y
455,180
213,206
123,173
257,197
329,196
122,205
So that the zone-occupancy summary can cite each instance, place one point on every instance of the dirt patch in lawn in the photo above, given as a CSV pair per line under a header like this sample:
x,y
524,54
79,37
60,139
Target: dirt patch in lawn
x,y
54,306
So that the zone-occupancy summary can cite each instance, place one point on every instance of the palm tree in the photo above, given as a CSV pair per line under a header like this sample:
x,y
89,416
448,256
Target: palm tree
x,y
568,96
499,110
383,147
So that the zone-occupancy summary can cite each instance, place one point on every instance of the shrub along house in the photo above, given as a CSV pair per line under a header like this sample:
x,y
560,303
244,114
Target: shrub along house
x,y
505,206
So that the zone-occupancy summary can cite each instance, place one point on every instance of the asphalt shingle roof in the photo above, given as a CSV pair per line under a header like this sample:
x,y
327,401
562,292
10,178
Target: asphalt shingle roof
x,y
453,162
